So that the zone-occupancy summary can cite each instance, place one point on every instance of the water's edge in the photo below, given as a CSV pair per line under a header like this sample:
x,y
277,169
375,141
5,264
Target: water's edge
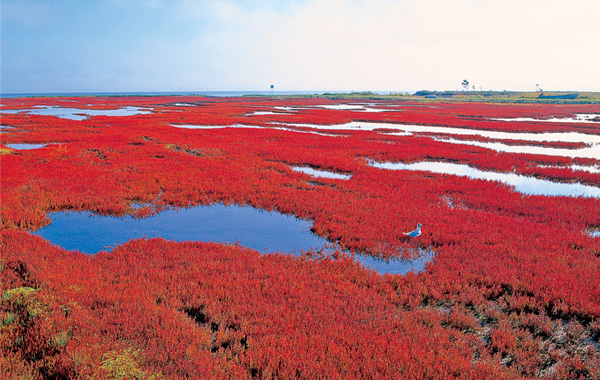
x,y
253,228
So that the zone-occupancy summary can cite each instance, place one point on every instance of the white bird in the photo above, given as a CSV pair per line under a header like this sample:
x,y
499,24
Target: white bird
x,y
414,233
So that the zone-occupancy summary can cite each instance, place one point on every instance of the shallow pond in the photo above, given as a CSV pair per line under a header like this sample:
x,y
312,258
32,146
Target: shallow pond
x,y
578,118
522,184
25,146
592,151
320,173
250,227
591,169
545,136
260,113
288,109
80,113
353,107
397,266
184,104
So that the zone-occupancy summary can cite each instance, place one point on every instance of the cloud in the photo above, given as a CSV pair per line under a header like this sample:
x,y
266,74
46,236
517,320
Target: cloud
x,y
391,45
412,44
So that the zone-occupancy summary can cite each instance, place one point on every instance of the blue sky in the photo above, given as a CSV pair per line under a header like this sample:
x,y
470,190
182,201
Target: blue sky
x,y
353,45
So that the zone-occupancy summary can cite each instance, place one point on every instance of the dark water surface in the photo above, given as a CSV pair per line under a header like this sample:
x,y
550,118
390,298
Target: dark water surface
x,y
261,230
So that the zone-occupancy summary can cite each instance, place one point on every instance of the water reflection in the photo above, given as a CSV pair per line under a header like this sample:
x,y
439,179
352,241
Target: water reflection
x,y
545,136
358,107
397,266
353,107
250,227
522,184
184,104
288,109
578,118
592,151
320,173
80,113
25,146
260,113
589,169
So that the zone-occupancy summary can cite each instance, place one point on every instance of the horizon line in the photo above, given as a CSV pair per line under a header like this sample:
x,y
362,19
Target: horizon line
x,y
280,92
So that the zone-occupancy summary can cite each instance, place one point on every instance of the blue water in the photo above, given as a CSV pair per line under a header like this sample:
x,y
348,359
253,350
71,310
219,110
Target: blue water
x,y
397,266
522,184
25,146
79,113
256,229
250,227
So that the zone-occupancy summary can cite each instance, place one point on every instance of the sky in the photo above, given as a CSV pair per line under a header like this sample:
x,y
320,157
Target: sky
x,y
298,45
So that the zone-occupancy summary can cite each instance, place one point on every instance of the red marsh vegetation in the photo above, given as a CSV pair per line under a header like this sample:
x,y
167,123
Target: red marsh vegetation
x,y
512,292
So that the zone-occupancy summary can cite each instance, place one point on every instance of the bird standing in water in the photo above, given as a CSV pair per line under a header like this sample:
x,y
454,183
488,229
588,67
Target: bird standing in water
x,y
414,233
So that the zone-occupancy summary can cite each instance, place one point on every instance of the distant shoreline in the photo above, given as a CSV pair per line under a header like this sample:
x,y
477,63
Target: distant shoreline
x,y
554,97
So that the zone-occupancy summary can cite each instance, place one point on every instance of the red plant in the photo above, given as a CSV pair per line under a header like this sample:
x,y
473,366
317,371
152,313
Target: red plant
x,y
510,271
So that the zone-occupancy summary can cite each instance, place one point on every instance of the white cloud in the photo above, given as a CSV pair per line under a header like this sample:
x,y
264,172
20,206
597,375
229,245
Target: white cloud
x,y
387,45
